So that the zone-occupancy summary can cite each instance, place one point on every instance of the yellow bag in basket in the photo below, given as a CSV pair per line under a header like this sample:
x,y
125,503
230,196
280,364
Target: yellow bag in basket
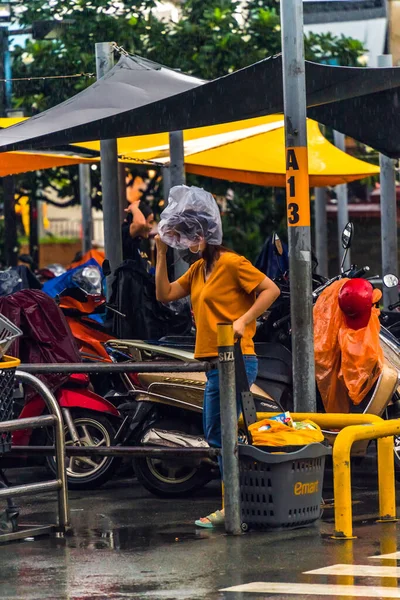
x,y
279,434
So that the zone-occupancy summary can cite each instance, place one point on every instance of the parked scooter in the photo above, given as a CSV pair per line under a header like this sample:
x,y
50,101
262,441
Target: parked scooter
x,y
166,393
163,404
89,418
391,319
384,399
166,410
44,274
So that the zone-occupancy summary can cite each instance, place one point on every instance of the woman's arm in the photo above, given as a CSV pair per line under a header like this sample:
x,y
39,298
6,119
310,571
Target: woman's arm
x,y
139,221
267,292
165,291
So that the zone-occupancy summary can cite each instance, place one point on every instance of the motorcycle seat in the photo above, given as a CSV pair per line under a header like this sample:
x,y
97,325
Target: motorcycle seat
x,y
273,350
274,369
79,380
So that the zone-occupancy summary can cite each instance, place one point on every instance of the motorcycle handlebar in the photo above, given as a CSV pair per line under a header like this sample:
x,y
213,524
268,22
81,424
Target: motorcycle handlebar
x,y
360,272
393,306
322,287
281,322
352,275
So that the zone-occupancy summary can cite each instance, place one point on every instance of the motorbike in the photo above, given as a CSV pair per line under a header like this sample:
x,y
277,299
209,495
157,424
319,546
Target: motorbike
x,y
44,274
384,398
89,418
166,410
269,326
169,404
81,301
391,319
163,395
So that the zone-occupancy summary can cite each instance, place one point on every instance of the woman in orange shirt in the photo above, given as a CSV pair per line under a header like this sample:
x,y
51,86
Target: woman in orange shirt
x,y
224,287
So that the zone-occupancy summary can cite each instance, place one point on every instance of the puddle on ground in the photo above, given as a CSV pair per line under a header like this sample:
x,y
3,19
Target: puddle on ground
x,y
135,538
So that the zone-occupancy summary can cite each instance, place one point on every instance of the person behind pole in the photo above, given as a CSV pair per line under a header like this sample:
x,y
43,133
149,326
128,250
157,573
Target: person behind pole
x,y
223,286
136,227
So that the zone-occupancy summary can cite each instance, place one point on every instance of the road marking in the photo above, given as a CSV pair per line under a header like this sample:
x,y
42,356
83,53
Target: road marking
x,y
357,571
395,555
316,589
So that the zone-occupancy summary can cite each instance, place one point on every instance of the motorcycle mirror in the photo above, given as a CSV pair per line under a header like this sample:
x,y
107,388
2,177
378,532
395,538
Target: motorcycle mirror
x,y
276,241
26,259
390,280
347,236
106,267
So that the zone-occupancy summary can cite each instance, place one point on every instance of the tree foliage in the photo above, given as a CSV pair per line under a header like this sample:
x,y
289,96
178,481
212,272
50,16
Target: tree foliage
x,y
209,38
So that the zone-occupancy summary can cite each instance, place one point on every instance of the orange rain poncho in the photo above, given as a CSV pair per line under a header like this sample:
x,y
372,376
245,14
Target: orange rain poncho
x,y
347,362
98,255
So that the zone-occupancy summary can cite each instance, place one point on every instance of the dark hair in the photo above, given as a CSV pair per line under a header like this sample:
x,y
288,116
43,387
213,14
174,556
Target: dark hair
x,y
145,209
212,253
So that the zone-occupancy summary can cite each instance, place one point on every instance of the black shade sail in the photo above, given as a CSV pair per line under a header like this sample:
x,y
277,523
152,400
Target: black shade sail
x,y
138,97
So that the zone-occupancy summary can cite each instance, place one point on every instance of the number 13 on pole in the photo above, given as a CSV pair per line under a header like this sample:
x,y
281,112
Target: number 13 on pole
x,y
297,187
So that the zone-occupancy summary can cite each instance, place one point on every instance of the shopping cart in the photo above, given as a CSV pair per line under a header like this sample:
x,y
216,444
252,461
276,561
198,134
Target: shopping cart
x,y
8,365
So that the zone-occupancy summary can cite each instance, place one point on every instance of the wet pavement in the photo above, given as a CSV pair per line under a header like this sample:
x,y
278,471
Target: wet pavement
x,y
127,544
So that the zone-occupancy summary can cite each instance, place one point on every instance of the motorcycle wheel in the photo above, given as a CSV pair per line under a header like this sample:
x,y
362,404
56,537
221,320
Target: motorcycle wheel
x,y
89,473
171,478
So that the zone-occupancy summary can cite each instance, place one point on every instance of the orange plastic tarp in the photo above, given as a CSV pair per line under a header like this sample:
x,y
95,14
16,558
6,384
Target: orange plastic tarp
x,y
98,255
348,362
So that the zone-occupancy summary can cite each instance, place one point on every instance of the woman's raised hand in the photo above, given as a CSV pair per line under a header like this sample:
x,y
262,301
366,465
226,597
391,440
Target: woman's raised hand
x,y
161,247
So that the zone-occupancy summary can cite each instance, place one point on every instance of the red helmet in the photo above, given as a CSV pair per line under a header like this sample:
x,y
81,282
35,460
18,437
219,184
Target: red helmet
x,y
355,301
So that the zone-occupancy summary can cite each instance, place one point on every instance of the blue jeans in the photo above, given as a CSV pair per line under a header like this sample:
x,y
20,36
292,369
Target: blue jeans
x,y
211,406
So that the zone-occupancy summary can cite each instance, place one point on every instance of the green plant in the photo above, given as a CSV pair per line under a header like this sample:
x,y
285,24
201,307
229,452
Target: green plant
x,y
209,39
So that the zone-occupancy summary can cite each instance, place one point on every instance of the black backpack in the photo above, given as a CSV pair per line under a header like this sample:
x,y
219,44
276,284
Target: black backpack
x,y
134,295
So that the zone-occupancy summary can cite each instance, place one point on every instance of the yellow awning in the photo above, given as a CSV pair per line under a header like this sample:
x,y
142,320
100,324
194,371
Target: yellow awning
x,y
255,154
12,163
249,151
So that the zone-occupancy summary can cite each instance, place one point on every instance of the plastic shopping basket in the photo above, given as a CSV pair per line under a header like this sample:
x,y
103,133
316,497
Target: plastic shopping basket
x,y
8,366
281,489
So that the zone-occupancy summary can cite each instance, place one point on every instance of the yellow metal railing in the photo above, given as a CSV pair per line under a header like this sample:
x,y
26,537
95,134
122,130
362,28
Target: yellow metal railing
x,y
383,432
354,428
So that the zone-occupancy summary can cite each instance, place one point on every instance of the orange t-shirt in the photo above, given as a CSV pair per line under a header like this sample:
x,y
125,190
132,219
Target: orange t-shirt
x,y
227,294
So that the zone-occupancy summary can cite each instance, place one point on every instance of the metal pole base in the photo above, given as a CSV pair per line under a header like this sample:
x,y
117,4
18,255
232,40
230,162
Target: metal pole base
x,y
27,531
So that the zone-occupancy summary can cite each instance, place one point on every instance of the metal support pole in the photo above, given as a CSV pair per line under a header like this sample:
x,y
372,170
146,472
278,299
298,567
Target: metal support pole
x,y
388,213
123,202
298,205
40,219
166,176
109,176
86,207
10,222
55,410
154,366
229,429
177,177
342,203
3,53
177,158
33,229
321,231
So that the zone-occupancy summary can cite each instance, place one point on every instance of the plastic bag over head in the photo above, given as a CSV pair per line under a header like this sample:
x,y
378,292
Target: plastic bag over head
x,y
192,216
